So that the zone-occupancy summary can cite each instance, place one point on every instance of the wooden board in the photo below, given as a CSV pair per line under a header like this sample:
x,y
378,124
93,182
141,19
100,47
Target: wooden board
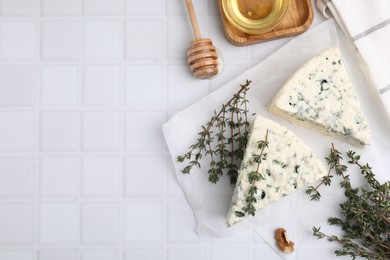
x,y
298,19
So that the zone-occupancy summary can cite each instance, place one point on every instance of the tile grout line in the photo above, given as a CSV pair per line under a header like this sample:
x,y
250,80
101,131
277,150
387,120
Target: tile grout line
x,y
122,203
165,204
83,154
83,109
69,199
74,17
37,157
80,81
89,62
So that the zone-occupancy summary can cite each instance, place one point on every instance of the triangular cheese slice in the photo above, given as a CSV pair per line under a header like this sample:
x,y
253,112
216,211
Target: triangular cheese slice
x,y
289,164
320,96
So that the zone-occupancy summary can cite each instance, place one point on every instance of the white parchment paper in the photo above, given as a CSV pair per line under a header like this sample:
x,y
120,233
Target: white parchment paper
x,y
295,212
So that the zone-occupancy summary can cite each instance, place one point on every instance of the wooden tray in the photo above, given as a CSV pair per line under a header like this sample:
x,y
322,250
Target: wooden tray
x,y
298,19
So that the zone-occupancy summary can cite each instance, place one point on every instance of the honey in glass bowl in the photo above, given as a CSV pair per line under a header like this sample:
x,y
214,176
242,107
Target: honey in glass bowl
x,y
255,16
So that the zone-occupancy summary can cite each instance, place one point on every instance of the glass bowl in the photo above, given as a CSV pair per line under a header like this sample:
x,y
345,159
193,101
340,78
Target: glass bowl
x,y
255,16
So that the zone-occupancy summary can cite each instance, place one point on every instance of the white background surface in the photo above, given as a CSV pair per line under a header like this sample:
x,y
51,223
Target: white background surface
x,y
84,172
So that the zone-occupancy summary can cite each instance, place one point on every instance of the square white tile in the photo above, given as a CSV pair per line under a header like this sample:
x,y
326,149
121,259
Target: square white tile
x,y
143,131
100,254
142,93
60,40
18,86
18,7
230,254
58,254
181,224
59,177
102,40
60,7
17,40
142,180
59,86
17,177
146,7
59,224
100,223
100,177
16,223
177,46
175,9
183,90
17,131
144,40
102,7
101,85
101,131
173,188
16,255
144,254
60,131
143,223
187,254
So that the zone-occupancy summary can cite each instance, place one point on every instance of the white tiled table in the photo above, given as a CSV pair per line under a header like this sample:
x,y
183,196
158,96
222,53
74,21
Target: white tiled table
x,y
84,172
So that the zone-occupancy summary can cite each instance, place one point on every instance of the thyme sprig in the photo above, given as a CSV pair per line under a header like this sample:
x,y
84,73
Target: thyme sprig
x,y
253,177
223,139
333,161
365,213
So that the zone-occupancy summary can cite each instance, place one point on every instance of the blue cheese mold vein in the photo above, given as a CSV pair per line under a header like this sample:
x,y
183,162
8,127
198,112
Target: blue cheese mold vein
x,y
289,165
320,96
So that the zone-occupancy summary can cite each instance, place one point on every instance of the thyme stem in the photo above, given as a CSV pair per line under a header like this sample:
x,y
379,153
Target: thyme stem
x,y
243,88
253,177
365,213
262,151
206,139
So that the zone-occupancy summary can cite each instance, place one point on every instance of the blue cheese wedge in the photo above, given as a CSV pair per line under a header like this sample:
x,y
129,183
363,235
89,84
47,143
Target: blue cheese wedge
x,y
288,165
320,96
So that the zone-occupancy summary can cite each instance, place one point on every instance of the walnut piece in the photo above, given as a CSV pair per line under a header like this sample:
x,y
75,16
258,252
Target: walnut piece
x,y
282,241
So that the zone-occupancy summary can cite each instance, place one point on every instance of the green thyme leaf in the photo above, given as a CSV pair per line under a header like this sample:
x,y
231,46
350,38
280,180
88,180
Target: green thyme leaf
x,y
255,176
223,139
365,214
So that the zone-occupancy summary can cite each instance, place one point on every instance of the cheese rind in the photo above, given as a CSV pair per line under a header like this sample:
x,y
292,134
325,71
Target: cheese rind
x,y
320,96
289,165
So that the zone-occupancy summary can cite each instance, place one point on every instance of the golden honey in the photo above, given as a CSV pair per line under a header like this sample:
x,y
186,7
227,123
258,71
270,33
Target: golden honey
x,y
255,16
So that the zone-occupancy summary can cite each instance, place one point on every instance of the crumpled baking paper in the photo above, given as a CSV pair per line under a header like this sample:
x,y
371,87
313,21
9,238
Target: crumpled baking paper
x,y
296,213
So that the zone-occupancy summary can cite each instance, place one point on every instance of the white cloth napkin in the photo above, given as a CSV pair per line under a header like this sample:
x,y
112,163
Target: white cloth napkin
x,y
367,24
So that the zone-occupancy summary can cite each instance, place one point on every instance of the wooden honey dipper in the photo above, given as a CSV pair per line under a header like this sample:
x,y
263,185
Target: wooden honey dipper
x,y
202,56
